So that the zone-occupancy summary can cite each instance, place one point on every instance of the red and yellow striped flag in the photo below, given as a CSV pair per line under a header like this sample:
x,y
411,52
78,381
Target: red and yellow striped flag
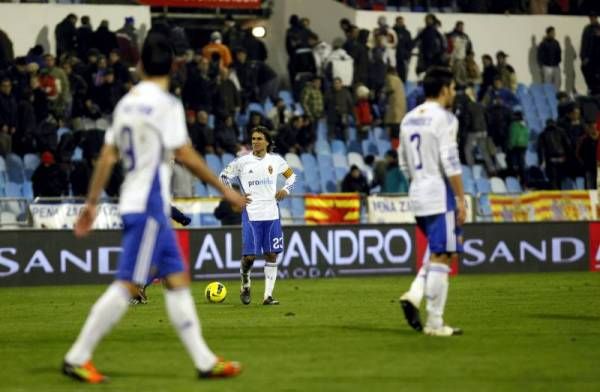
x,y
332,208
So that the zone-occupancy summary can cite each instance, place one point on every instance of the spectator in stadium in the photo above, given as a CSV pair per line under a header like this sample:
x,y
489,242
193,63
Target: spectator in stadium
x,y
121,71
109,92
247,76
23,140
388,175
256,119
19,76
8,116
7,54
518,140
395,102
538,7
499,92
549,57
506,71
380,59
48,179
356,47
127,39
279,114
267,80
383,29
199,88
340,106
307,135
571,122
229,214
216,46
585,152
202,135
490,73
311,99
362,111
287,137
233,36
499,118
65,34
104,39
590,46
300,57
226,101
345,25
226,136
84,37
321,51
403,48
431,43
61,97
473,74
554,147
355,182
256,48
459,45
339,64
476,133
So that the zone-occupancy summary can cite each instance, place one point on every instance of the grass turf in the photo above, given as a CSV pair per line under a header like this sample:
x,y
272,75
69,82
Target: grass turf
x,y
522,332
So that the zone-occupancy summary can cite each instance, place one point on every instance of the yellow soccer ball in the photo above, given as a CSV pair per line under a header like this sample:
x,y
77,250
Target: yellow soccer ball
x,y
215,292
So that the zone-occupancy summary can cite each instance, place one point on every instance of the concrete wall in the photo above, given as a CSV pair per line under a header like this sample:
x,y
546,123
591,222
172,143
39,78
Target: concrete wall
x,y
30,24
517,35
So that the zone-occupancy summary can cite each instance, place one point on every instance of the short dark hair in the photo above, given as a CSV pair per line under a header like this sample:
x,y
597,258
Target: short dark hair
x,y
157,55
435,79
549,29
266,133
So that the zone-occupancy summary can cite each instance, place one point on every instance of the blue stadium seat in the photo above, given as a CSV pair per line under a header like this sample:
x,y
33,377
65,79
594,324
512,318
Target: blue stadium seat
x,y
324,162
322,130
28,190
498,185
14,168
226,159
30,162
3,173
268,105
255,107
567,184
483,185
298,110
285,203
485,208
200,189
513,185
211,121
287,97
214,162
13,189
338,147
383,146
380,134
531,158
369,148
61,131
354,146
469,185
294,161
580,183
478,172
77,154
467,172
322,147
297,208
352,134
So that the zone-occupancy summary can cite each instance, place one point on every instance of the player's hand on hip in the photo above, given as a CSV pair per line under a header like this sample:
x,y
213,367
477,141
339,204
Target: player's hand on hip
x,y
234,197
280,195
85,221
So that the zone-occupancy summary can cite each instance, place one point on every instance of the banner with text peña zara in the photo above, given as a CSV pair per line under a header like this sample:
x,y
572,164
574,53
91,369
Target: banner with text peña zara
x,y
54,257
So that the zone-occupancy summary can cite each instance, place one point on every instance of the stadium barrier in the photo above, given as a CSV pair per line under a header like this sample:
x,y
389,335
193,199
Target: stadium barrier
x,y
54,257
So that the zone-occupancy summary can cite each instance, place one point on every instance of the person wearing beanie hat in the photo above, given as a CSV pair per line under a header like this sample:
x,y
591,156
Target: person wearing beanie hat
x,y
216,47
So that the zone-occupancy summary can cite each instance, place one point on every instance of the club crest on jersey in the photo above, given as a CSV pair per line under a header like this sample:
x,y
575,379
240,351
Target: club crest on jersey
x,y
270,169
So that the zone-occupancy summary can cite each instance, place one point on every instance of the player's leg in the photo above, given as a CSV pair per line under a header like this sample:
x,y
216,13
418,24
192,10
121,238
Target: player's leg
x,y
410,301
138,235
182,311
272,245
445,239
249,252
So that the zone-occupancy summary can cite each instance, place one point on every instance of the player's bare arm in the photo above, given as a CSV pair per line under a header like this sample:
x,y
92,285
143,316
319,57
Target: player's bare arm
x,y
194,162
108,157
457,187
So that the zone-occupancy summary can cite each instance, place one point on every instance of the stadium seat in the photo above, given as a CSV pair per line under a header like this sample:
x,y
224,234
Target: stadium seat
x,y
226,159
298,109
28,190
355,158
13,189
467,172
501,160
369,148
324,163
340,160
200,189
531,158
14,168
287,97
469,185
322,130
352,134
383,146
77,154
3,173
338,147
484,207
482,185
285,214
513,185
322,147
567,184
354,146
255,107
380,134
61,131
580,183
478,172
294,161
30,163
497,185
8,218
211,121
214,163
298,209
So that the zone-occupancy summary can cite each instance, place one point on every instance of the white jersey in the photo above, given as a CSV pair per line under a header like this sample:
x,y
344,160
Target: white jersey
x,y
148,124
428,155
258,179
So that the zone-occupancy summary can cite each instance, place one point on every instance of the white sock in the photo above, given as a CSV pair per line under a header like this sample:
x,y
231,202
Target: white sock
x,y
270,277
436,291
182,313
105,313
417,287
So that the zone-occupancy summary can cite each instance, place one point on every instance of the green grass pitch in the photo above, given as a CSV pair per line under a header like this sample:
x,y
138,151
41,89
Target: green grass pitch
x,y
529,332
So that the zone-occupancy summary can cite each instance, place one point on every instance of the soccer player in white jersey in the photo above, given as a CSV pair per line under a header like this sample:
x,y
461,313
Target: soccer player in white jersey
x,y
148,129
428,155
261,227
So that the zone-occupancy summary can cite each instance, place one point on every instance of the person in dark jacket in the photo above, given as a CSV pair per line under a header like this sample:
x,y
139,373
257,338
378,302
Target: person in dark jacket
x,y
227,213
340,106
85,37
226,100
589,52
356,47
104,39
431,43
476,134
48,179
8,116
553,150
66,35
355,181
585,152
403,48
549,57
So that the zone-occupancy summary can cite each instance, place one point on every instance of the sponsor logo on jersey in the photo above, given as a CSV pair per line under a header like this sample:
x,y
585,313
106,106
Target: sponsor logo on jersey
x,y
262,181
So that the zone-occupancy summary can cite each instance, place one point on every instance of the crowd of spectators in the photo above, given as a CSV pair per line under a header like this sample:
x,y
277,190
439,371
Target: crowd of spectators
x,y
352,85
